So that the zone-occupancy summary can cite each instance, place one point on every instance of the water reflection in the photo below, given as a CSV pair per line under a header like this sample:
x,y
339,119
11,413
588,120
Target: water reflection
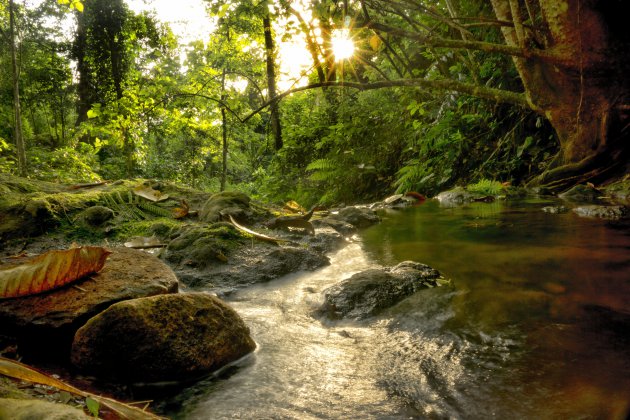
x,y
555,289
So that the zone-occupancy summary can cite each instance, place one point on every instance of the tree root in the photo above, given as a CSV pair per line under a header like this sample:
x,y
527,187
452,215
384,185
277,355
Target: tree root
x,y
596,168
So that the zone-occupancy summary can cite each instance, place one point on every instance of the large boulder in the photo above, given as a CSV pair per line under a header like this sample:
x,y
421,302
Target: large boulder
x,y
31,409
226,203
367,293
161,338
49,320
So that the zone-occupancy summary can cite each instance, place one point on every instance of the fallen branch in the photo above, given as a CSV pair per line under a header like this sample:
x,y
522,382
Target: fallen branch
x,y
90,185
254,234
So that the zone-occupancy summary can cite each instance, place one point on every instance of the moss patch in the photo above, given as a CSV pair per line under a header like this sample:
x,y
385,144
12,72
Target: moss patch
x,y
9,389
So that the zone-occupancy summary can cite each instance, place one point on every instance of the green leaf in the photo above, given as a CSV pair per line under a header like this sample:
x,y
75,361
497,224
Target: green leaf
x,y
92,113
92,405
528,142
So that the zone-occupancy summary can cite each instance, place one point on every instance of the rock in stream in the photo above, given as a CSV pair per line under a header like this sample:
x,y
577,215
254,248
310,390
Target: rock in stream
x,y
367,293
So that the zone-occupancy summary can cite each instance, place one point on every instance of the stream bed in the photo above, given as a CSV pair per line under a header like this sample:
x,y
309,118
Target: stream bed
x,y
535,325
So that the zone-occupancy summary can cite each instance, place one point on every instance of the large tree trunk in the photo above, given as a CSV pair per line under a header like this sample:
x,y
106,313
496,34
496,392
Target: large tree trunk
x,y
583,89
17,119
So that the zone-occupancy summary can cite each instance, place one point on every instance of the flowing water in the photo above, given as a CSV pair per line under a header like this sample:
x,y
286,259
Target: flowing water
x,y
535,325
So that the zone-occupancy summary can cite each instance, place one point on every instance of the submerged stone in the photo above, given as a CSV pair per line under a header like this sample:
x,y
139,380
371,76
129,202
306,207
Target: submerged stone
x,y
555,209
455,197
602,212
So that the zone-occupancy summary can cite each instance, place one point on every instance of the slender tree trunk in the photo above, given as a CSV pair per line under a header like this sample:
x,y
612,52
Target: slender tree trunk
x,y
17,131
62,114
84,92
276,128
224,136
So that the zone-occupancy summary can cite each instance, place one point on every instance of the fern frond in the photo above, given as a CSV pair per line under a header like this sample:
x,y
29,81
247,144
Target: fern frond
x,y
321,165
154,209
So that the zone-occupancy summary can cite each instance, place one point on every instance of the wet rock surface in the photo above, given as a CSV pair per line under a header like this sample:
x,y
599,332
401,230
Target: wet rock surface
x,y
455,197
340,226
50,319
359,217
602,212
555,209
367,293
161,338
250,265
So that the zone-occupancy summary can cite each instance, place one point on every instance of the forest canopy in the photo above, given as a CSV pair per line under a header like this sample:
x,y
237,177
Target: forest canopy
x,y
396,96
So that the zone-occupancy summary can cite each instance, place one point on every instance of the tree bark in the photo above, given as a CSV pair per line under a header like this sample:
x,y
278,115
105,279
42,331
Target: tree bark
x,y
224,136
83,86
276,128
17,117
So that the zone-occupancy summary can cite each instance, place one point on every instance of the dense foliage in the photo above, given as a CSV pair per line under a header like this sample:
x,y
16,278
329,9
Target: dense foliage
x,y
118,97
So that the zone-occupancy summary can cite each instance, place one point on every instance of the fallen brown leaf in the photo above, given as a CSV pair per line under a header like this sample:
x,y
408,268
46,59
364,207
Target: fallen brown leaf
x,y
50,270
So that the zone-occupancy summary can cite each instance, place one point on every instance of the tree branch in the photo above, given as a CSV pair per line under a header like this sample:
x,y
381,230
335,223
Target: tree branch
x,y
219,101
444,85
435,41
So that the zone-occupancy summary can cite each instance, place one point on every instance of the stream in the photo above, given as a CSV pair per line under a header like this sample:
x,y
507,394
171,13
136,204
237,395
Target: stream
x,y
535,325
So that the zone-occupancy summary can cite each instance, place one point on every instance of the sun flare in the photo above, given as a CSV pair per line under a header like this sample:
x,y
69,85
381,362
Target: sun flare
x,y
342,44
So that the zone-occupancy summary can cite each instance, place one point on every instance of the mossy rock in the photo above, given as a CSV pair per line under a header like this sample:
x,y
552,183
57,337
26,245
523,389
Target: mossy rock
x,y
37,409
581,193
619,190
202,246
226,203
161,338
9,389
162,227
96,216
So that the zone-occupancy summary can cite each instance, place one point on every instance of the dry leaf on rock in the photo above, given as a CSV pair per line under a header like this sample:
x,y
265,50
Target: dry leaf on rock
x,y
50,270
294,207
182,211
149,193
